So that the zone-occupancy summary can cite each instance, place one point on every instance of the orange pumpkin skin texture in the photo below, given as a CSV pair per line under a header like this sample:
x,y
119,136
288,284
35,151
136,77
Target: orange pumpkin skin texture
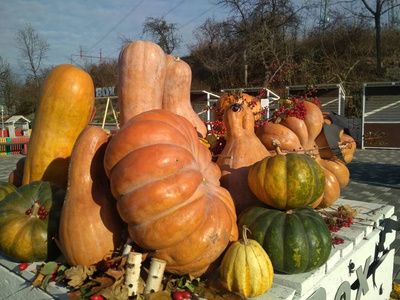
x,y
338,168
293,133
89,219
141,77
167,190
242,149
177,92
331,192
228,98
63,111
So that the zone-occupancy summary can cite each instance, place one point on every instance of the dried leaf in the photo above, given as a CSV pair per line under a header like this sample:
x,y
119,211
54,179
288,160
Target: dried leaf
x,y
161,295
116,274
77,275
116,292
104,282
349,211
37,282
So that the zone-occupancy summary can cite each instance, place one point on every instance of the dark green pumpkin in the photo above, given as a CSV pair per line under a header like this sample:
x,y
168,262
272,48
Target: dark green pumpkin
x,y
28,237
296,241
287,181
6,188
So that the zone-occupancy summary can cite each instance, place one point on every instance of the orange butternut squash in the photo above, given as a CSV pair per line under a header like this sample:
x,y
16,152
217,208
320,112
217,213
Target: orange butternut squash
x,y
63,111
177,92
90,227
141,76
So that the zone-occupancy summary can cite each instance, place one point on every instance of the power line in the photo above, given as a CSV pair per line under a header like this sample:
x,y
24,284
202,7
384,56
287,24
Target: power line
x,y
194,19
168,12
112,29
175,7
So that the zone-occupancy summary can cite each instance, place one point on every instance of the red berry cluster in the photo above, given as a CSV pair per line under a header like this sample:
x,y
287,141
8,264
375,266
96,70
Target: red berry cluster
x,y
336,221
42,213
218,126
337,240
298,110
111,265
181,295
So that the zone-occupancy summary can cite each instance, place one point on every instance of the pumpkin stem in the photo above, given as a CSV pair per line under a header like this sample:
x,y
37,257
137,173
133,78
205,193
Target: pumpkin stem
x,y
277,145
245,240
35,209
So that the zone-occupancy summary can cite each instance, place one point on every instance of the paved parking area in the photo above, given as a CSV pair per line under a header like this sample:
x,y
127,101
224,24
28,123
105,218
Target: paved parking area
x,y
374,177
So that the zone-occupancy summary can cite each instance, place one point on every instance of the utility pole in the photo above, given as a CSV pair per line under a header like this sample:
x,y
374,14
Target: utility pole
x,y
81,55
324,17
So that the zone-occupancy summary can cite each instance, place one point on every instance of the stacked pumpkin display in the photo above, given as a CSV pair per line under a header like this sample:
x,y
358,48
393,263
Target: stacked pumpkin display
x,y
156,182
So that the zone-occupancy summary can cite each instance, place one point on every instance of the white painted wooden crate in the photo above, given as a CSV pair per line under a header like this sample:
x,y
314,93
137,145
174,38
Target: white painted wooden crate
x,y
335,277
327,282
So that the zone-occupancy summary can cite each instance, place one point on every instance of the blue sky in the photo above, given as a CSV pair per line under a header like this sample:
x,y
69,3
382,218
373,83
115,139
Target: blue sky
x,y
68,25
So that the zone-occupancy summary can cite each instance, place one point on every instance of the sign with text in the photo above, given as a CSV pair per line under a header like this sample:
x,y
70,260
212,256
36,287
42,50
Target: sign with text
x,y
106,91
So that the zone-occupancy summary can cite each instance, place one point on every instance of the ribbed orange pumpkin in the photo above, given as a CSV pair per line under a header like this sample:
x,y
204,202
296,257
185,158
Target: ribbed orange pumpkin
x,y
167,190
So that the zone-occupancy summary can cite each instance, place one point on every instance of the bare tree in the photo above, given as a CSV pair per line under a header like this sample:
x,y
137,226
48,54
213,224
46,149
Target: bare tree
x,y
124,40
162,33
9,86
374,9
33,49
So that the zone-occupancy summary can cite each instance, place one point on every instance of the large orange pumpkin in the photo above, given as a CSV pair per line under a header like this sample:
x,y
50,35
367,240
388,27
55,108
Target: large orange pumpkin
x,y
168,192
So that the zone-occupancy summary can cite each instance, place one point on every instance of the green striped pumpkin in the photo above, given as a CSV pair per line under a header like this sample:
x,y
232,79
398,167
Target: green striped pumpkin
x,y
26,237
296,241
287,181
6,188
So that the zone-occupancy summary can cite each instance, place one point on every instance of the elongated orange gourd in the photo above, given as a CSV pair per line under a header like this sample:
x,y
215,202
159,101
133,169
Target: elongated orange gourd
x,y
242,150
141,76
65,105
90,227
177,92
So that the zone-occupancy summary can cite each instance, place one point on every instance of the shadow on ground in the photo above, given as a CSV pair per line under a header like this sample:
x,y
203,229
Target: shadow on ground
x,y
375,173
